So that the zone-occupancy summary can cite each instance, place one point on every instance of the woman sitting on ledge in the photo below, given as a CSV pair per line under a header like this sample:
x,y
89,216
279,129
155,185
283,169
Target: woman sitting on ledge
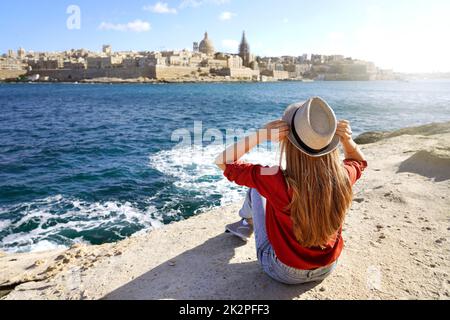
x,y
297,213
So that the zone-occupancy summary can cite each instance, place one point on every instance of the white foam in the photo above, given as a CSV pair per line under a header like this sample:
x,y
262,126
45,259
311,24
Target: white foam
x,y
81,217
43,245
27,242
194,169
4,224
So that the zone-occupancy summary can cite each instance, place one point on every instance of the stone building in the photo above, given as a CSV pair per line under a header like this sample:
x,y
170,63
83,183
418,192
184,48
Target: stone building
x,y
21,53
237,73
10,64
104,62
195,47
178,58
346,70
271,64
254,65
234,62
168,73
303,59
107,49
276,74
318,59
11,68
130,62
214,63
296,70
47,64
157,58
75,64
334,58
196,59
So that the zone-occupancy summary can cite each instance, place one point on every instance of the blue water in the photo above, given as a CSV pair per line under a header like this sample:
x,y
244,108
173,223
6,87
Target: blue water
x,y
95,163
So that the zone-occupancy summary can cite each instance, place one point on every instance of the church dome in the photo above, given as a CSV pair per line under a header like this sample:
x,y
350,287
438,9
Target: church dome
x,y
206,46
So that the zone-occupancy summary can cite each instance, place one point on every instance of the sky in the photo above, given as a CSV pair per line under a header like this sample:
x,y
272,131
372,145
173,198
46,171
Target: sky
x,y
404,35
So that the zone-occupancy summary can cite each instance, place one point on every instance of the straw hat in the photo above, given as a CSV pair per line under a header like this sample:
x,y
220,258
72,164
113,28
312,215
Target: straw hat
x,y
313,127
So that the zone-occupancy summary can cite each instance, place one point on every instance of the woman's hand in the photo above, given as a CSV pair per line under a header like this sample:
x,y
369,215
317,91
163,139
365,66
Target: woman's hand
x,y
275,131
351,149
344,131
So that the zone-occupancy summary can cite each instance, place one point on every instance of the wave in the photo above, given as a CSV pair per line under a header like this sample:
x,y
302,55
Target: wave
x,y
56,222
59,221
193,169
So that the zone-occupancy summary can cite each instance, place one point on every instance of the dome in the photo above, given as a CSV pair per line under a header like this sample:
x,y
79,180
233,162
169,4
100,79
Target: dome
x,y
206,46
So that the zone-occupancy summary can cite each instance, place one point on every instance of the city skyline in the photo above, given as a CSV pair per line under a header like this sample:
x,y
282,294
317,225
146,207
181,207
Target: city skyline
x,y
201,64
404,36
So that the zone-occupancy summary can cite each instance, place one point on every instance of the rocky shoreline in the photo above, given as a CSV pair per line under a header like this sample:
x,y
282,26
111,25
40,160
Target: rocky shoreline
x,y
397,243
158,81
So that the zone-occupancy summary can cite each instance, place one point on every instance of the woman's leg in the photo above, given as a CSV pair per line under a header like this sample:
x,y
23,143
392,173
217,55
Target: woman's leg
x,y
257,204
246,210
264,250
244,228
253,211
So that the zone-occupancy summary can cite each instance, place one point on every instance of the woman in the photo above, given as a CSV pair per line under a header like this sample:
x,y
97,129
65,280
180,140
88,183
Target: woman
x,y
297,213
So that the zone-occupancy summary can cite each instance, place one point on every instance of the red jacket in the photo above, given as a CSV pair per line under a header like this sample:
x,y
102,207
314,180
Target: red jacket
x,y
274,188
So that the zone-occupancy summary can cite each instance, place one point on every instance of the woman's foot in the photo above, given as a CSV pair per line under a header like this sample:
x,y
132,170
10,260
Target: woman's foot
x,y
242,229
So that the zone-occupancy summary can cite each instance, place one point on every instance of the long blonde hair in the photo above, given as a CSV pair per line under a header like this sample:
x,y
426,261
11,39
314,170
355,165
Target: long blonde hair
x,y
321,196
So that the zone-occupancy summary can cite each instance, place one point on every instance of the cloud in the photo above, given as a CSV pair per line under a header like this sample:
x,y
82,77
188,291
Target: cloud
x,y
198,3
160,7
133,26
190,3
226,15
230,45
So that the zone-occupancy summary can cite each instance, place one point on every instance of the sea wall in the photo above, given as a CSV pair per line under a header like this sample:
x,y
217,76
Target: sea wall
x,y
68,75
151,72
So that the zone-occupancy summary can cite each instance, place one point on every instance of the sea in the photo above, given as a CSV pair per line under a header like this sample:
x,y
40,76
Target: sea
x,y
97,163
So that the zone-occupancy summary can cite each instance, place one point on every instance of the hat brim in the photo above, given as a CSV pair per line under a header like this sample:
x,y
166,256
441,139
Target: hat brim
x,y
287,117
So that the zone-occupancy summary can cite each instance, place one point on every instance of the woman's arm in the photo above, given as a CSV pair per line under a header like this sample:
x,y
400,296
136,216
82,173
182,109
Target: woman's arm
x,y
273,131
351,149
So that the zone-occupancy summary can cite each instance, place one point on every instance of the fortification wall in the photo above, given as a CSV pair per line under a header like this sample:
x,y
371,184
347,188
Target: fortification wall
x,y
152,72
11,74
175,72
241,73
277,74
81,74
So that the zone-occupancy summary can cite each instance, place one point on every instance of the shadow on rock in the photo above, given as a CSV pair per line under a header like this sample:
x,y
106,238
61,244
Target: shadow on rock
x,y
205,272
427,164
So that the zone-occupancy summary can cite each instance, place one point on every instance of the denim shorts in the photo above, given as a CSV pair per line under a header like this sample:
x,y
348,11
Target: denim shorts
x,y
280,272
254,207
